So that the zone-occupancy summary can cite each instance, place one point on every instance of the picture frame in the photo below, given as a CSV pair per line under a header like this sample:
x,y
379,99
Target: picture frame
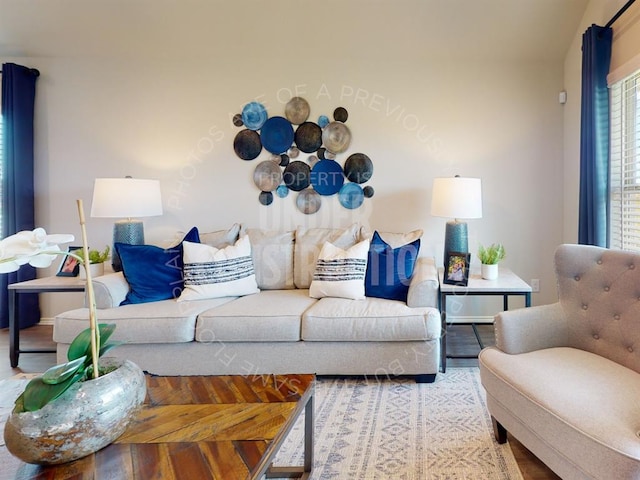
x,y
457,268
69,266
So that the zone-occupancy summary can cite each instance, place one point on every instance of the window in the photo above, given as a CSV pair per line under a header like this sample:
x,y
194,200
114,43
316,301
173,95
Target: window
x,y
624,180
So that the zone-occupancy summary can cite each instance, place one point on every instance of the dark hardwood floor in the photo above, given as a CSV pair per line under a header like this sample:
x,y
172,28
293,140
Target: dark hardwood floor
x,y
461,341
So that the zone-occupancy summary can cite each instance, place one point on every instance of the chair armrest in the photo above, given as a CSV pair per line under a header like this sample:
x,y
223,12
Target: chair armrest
x,y
528,329
424,286
109,290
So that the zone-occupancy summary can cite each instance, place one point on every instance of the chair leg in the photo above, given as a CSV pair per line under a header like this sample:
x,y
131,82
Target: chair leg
x,y
499,431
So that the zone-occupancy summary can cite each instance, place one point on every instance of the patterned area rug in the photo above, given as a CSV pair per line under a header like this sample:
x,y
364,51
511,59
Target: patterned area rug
x,y
397,429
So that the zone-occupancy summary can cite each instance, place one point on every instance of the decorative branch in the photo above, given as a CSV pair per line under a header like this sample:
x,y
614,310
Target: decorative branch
x,y
95,333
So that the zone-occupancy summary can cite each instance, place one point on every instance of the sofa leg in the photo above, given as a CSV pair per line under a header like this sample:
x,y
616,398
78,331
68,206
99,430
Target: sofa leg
x,y
426,378
499,431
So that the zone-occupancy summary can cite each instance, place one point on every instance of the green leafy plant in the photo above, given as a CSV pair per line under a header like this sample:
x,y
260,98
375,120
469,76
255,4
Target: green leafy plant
x,y
57,380
491,255
95,256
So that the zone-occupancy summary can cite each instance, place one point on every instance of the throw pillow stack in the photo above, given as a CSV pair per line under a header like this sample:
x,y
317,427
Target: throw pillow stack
x,y
349,263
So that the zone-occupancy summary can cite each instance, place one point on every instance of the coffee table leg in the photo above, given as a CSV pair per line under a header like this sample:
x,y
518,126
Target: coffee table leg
x,y
303,472
308,437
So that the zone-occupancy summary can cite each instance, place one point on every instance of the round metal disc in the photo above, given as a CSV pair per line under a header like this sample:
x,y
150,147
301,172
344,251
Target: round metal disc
x,y
247,144
308,137
340,114
277,135
297,176
368,191
254,115
282,191
237,120
327,177
297,110
323,121
351,196
265,198
267,176
358,168
336,137
308,201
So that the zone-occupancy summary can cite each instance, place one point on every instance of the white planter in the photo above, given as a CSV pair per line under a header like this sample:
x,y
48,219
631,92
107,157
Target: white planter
x,y
489,272
96,269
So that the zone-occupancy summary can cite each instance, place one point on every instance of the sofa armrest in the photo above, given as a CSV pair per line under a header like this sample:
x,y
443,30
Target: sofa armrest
x,y
528,329
110,290
424,286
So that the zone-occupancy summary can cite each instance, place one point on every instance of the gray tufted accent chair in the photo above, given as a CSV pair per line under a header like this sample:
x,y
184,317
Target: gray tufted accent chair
x,y
564,379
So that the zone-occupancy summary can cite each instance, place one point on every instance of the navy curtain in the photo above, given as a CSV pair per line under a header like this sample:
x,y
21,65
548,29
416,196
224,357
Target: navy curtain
x,y
594,137
18,97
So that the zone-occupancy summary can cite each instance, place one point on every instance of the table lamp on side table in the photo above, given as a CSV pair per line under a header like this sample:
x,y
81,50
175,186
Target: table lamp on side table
x,y
458,198
127,198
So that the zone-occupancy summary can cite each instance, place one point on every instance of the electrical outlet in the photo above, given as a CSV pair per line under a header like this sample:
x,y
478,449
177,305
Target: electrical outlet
x,y
535,284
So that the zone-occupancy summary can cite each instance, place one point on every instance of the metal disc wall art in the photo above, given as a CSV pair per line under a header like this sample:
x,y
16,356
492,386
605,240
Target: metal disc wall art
x,y
247,144
308,137
277,135
336,137
297,110
297,176
308,201
316,176
267,176
254,115
358,168
327,177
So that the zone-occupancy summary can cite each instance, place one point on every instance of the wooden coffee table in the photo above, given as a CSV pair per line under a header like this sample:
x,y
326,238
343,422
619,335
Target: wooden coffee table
x,y
200,427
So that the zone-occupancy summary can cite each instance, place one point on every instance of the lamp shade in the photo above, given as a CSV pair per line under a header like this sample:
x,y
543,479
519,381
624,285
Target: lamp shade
x,y
126,198
457,197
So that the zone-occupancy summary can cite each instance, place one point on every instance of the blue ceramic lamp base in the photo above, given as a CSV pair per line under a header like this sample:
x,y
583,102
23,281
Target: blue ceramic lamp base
x,y
455,239
126,231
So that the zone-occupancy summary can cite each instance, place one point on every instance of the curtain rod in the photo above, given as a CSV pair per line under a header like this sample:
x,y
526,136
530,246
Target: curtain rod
x,y
620,12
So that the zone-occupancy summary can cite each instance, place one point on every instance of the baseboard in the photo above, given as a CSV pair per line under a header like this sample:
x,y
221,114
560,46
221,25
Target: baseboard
x,y
46,321
452,319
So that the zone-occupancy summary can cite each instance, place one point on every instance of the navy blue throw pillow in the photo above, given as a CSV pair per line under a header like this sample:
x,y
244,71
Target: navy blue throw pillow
x,y
153,273
389,270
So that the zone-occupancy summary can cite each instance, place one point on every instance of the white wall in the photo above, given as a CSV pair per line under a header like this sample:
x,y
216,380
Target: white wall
x,y
417,114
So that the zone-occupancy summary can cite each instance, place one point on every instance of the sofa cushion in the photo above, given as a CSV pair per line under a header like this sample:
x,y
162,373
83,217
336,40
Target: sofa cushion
x,y
340,273
368,320
390,268
308,244
272,253
153,273
210,272
268,316
166,321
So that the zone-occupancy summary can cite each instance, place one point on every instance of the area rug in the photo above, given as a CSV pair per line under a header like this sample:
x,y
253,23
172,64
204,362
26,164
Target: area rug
x,y
397,429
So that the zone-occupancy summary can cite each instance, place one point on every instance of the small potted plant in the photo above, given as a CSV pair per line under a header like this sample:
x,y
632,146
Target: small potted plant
x,y
96,261
490,257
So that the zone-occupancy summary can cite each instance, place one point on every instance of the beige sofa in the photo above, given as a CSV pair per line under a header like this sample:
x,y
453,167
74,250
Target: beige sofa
x,y
281,329
564,378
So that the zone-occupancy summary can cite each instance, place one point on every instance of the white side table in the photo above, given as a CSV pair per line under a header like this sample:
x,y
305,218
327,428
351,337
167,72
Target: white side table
x,y
507,284
39,285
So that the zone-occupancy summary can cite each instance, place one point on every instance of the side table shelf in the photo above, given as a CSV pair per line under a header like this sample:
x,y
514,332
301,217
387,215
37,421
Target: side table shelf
x,y
39,285
507,284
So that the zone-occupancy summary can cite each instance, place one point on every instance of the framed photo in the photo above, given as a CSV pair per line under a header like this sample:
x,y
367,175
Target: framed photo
x,y
69,267
457,268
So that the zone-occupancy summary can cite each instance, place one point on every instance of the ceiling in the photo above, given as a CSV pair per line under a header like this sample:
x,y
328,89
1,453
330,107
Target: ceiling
x,y
482,29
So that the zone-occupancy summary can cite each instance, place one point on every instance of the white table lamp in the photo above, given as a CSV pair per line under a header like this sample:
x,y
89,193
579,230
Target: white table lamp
x,y
127,198
456,198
